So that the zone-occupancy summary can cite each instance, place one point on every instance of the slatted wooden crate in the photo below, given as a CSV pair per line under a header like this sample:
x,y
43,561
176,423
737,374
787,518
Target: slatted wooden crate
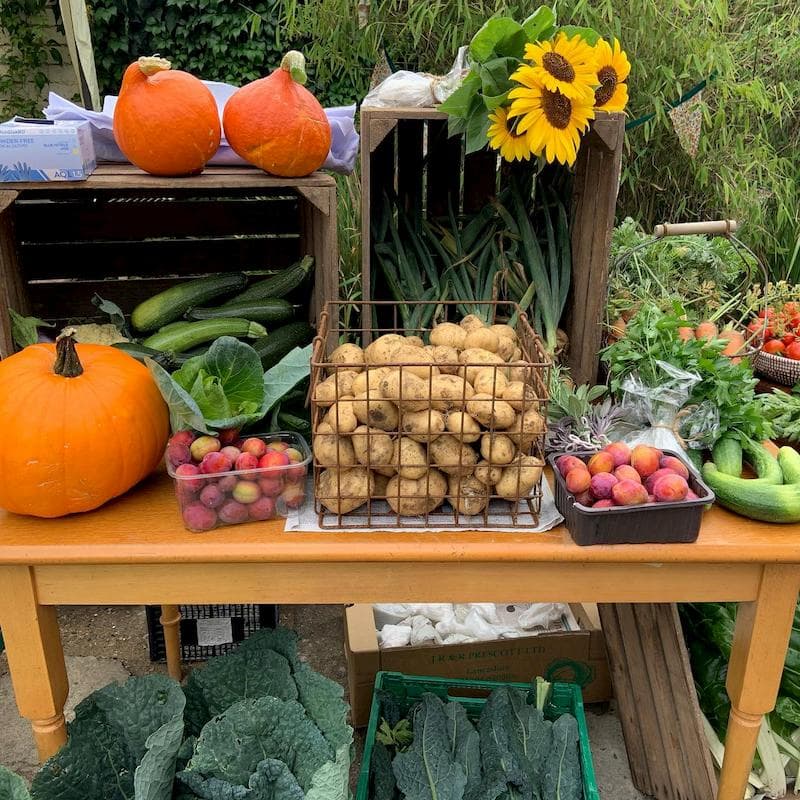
x,y
408,150
126,235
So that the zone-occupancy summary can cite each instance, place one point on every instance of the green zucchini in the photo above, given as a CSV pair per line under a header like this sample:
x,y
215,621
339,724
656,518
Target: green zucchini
x,y
789,461
271,311
172,303
763,462
197,333
727,455
754,498
278,285
170,361
174,326
281,341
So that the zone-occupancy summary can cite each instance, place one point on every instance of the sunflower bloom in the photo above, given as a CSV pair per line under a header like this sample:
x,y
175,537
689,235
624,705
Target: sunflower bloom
x,y
562,65
552,121
613,68
503,136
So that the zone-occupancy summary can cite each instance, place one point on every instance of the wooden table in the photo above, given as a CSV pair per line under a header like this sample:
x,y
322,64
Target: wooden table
x,y
135,551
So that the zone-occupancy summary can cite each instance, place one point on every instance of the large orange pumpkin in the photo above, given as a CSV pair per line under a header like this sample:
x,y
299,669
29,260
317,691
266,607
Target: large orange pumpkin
x,y
83,423
276,124
166,121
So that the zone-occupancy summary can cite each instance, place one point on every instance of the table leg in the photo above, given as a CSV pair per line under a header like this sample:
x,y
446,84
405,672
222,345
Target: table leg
x,y
754,674
170,622
35,658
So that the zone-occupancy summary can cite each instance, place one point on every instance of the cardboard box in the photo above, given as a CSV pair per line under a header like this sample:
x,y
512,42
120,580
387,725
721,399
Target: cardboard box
x,y
575,656
42,151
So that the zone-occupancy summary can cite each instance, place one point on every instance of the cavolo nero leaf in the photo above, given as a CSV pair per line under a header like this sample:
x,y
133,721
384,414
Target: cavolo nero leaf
x,y
427,770
12,787
465,747
382,785
562,774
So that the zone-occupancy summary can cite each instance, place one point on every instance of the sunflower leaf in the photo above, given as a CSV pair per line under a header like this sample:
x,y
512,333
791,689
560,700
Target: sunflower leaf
x,y
477,128
458,104
589,35
495,75
500,36
540,25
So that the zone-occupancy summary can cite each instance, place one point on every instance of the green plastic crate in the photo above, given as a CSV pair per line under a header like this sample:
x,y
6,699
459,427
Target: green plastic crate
x,y
565,698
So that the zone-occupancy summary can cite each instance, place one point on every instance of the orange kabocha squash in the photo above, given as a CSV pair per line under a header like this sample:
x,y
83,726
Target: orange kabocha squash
x,y
83,423
277,124
166,121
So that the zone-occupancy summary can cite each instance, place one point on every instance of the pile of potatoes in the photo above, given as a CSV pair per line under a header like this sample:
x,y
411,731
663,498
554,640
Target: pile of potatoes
x,y
419,424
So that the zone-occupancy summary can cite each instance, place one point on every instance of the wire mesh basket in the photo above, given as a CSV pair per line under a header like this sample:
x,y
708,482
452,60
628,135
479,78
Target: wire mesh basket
x,y
422,429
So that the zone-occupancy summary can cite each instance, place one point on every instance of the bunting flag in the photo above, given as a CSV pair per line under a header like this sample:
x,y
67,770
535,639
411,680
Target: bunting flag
x,y
687,120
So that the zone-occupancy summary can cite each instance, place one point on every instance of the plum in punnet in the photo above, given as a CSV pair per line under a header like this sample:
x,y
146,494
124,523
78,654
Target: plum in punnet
x,y
625,472
246,492
273,458
645,459
602,484
254,446
620,452
231,452
650,483
279,446
293,495
227,483
182,437
199,518
178,453
578,480
263,508
567,463
671,489
271,486
584,498
295,456
628,493
229,436
232,513
211,496
605,503
214,463
676,465
246,461
203,445
600,462
186,473
690,495
185,494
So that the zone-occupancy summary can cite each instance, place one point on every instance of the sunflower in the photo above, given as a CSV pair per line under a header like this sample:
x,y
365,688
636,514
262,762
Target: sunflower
x,y
563,65
552,121
613,68
503,136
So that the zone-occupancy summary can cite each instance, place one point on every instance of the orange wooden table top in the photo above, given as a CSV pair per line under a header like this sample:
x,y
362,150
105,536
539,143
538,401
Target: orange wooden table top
x,y
144,527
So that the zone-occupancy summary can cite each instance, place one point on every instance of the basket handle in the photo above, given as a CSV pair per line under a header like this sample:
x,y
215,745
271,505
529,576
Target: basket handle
x,y
719,227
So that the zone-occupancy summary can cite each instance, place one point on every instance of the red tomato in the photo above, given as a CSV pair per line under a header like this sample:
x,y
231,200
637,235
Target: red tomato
x,y
774,346
766,312
755,328
793,351
795,321
788,338
790,308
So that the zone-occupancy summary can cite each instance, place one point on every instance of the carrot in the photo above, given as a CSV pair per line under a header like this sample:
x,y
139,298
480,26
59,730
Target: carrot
x,y
686,333
706,330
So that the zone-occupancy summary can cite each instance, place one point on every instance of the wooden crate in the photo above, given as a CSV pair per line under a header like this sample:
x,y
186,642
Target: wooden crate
x,y
127,235
408,149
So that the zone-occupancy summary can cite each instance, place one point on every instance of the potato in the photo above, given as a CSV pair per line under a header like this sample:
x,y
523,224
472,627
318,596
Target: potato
x,y
373,448
405,389
497,448
446,358
381,482
477,359
380,351
505,332
519,478
491,412
482,339
463,427
422,426
416,497
505,348
451,456
488,474
410,459
323,428
339,384
449,391
341,417
471,323
333,450
350,355
519,395
528,425
344,490
420,361
414,341
375,412
490,380
370,377
448,334
467,494
518,371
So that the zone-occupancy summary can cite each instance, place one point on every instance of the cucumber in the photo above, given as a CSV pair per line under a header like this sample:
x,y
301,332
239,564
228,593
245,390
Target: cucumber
x,y
173,326
270,311
278,285
172,303
763,462
789,461
170,361
281,341
727,455
196,333
754,498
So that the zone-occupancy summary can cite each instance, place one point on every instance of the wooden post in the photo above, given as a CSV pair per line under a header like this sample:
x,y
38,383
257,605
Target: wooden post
x,y
318,224
594,201
170,620
12,294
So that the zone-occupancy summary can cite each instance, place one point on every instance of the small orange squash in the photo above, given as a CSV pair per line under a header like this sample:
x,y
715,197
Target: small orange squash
x,y
83,423
166,121
276,124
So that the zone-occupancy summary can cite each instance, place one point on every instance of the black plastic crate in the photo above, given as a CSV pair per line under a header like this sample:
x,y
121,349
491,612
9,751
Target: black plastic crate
x,y
229,624
655,523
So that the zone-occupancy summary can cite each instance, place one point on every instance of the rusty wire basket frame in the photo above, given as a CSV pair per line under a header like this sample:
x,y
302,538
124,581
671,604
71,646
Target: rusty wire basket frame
x,y
498,512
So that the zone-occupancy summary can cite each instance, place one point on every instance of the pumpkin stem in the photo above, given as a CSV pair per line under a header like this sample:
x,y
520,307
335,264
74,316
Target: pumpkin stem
x,y
149,65
67,363
294,62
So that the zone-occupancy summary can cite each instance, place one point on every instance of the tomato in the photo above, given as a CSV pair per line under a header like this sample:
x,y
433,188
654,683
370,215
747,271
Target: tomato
x,y
795,321
755,329
766,312
788,338
790,308
774,346
793,351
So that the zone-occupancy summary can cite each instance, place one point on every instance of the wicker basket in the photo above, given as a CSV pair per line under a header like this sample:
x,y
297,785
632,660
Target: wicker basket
x,y
434,487
778,369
